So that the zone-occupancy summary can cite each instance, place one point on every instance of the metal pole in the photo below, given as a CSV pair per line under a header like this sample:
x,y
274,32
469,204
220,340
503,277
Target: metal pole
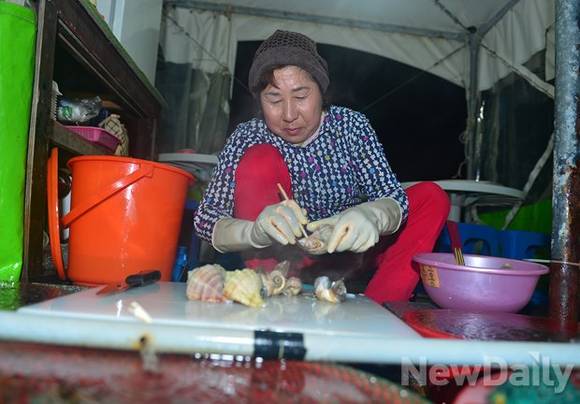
x,y
473,142
566,175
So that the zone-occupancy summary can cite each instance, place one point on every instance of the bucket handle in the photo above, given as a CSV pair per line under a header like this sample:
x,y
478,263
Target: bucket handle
x,y
53,214
145,170
54,221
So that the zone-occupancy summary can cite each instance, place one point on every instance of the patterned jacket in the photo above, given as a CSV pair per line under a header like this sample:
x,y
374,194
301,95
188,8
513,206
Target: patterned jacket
x,y
344,166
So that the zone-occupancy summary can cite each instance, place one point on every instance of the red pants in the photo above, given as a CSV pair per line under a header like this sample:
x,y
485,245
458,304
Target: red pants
x,y
394,279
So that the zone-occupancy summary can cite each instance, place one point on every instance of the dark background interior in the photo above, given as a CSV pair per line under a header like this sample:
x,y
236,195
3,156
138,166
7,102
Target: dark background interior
x,y
418,123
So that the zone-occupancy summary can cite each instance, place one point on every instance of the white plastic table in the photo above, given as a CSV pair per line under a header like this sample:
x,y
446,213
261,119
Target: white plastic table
x,y
200,165
464,193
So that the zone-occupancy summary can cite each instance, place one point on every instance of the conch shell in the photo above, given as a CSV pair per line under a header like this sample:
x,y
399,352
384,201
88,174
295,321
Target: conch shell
x,y
293,286
315,243
334,292
244,286
206,283
275,281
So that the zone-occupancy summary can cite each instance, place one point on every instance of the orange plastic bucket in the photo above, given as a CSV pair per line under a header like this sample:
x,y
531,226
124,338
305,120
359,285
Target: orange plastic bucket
x,y
125,217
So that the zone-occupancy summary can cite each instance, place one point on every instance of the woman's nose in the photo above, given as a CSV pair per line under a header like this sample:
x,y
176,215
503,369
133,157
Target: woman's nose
x,y
290,112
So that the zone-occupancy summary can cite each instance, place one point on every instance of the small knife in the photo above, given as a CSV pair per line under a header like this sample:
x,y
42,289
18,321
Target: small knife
x,y
131,281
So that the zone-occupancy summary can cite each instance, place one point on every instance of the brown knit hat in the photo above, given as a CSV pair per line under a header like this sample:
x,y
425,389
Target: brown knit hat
x,y
288,48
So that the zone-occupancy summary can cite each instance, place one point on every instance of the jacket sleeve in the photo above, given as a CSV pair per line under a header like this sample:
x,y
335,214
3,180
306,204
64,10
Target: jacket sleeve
x,y
218,198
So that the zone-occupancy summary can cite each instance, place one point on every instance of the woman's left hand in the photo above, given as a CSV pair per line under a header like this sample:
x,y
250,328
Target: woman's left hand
x,y
353,230
358,228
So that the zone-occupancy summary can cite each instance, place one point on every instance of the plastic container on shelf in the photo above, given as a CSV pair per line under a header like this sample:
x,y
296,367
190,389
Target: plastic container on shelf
x,y
98,136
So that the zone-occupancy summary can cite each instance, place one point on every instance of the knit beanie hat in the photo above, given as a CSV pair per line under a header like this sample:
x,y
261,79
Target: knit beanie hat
x,y
288,48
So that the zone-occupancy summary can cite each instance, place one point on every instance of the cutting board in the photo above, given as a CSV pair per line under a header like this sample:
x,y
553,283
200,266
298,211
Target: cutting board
x,y
166,303
357,331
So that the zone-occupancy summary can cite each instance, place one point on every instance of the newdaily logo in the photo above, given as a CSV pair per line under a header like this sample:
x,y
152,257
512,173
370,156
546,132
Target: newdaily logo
x,y
494,371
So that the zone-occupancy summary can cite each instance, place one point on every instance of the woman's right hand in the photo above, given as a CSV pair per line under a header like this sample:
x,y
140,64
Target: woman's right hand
x,y
280,222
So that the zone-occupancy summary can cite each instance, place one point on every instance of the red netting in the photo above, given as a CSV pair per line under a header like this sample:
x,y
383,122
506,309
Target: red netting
x,y
31,373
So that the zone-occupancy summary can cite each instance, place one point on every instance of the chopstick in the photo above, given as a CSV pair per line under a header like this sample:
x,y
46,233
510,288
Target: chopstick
x,y
455,242
285,196
459,260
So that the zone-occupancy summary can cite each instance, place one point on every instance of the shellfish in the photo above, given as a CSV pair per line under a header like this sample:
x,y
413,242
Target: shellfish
x,y
315,243
244,286
293,286
206,283
333,292
275,281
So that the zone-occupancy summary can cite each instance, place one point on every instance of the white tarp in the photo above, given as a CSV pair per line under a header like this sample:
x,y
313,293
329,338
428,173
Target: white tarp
x,y
517,36
421,14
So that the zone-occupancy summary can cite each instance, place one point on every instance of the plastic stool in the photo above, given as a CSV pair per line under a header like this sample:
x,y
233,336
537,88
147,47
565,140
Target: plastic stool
x,y
475,239
518,244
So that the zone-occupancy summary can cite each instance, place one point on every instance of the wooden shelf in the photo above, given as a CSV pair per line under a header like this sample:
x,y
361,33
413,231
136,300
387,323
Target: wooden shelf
x,y
72,142
75,46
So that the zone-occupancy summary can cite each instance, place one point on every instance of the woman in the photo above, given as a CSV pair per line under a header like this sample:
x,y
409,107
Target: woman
x,y
329,161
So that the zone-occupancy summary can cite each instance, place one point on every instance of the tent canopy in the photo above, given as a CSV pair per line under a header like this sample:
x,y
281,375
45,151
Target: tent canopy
x,y
432,35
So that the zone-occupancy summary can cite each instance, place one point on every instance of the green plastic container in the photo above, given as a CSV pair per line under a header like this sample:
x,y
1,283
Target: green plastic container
x,y
17,46
535,217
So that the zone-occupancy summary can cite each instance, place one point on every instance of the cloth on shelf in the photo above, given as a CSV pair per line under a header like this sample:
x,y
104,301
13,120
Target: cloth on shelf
x,y
113,125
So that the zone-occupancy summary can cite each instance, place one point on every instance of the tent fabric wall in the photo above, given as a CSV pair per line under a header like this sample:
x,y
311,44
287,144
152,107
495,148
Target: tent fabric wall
x,y
194,76
207,44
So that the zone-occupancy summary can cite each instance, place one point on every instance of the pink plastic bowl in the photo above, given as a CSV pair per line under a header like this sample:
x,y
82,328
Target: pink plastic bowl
x,y
482,284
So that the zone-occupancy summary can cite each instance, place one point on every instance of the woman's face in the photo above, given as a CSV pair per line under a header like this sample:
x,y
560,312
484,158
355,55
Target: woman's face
x,y
292,105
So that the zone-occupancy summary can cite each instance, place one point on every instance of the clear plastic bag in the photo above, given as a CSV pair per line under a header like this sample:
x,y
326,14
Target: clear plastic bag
x,y
78,110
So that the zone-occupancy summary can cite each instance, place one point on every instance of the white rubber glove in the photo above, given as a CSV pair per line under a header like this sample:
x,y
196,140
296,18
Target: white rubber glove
x,y
359,228
279,222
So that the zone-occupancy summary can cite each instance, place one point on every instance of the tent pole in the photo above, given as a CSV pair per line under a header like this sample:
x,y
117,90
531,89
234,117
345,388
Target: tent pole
x,y
484,29
473,141
564,278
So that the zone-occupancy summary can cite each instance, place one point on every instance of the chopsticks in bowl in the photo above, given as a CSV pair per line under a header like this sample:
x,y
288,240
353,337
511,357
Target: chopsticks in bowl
x,y
459,260
455,242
